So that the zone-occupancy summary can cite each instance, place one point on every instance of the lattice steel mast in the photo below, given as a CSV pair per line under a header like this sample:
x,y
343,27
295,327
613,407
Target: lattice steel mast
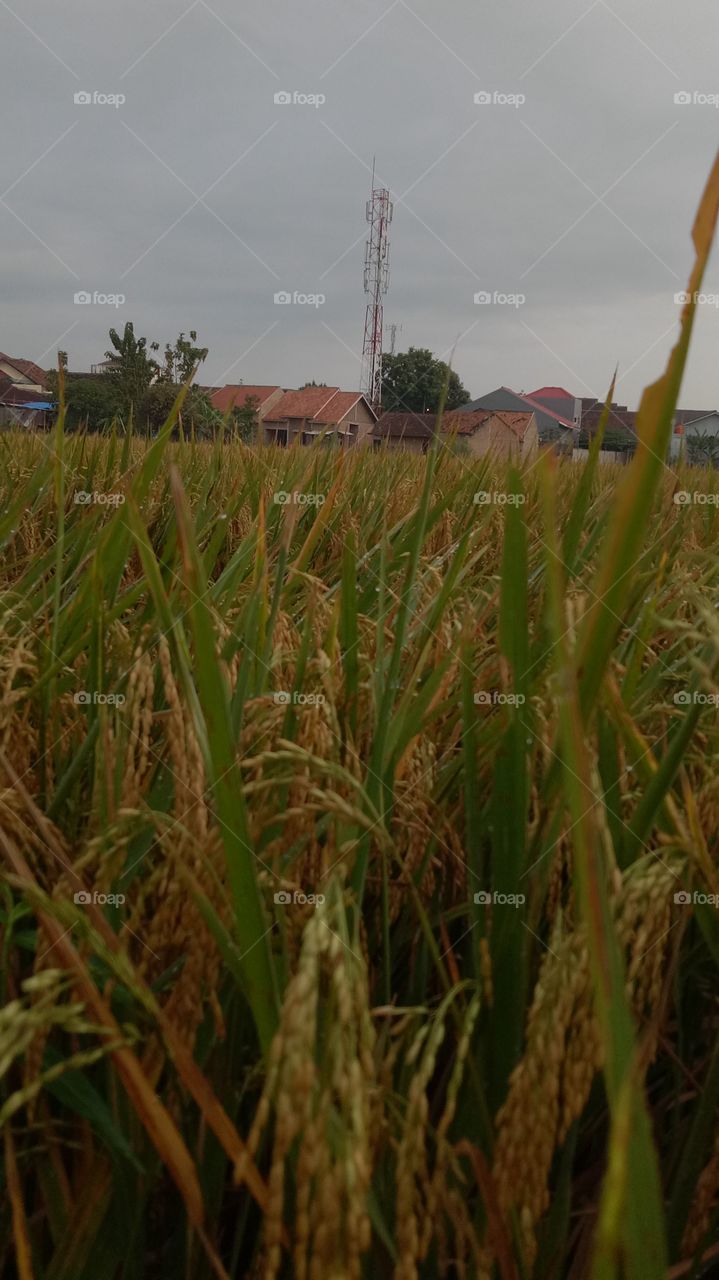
x,y
376,283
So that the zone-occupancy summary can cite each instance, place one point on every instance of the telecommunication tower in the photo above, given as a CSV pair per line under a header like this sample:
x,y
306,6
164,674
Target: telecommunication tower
x,y
376,283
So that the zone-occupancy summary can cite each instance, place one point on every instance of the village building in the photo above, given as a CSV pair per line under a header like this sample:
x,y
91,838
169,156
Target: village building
x,y
24,400
553,426
477,433
238,396
316,413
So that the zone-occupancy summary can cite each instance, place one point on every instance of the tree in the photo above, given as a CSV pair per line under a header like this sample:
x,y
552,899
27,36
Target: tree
x,y
182,359
414,380
244,420
197,413
702,449
133,369
91,402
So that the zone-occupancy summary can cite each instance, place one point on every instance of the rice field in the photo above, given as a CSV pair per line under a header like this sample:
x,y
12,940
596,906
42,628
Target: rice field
x,y
358,829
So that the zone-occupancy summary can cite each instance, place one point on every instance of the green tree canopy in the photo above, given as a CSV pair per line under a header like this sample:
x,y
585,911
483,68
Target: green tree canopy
x,y
414,380
91,402
134,369
182,359
245,420
197,414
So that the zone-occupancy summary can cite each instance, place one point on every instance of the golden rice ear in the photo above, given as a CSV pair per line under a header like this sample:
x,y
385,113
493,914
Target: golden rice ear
x,y
319,1089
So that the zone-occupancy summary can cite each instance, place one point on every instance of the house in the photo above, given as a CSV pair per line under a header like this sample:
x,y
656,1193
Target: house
x,y
345,416
23,396
24,373
412,432
504,433
237,395
694,428
482,431
553,426
695,436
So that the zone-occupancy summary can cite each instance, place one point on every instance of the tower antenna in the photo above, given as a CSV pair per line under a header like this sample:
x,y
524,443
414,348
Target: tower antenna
x,y
376,283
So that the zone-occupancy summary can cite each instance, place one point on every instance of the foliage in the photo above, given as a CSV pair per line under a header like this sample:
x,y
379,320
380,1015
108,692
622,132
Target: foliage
x,y
245,421
197,415
702,448
92,402
134,369
415,380
182,359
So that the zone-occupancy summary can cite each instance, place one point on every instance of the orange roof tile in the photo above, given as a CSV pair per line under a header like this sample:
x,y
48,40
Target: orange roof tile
x,y
303,404
235,395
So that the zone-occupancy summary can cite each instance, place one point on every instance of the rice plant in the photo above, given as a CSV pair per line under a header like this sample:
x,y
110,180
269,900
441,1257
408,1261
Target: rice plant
x,y
358,822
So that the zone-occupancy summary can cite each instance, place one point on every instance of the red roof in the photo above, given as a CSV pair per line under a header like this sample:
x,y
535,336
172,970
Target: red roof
x,y
317,404
303,404
340,405
465,422
31,371
236,395
11,395
551,393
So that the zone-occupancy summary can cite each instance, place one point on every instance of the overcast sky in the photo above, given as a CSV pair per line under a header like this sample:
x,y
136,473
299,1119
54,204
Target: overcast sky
x,y
198,198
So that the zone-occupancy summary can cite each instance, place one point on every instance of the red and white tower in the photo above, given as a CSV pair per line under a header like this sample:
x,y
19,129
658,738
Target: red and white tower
x,y
376,283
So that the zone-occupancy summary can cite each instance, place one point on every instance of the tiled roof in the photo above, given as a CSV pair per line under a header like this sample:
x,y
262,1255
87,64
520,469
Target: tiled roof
x,y
406,426
464,424
550,393
235,395
504,400
321,405
624,418
11,395
31,371
683,416
303,404
340,405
